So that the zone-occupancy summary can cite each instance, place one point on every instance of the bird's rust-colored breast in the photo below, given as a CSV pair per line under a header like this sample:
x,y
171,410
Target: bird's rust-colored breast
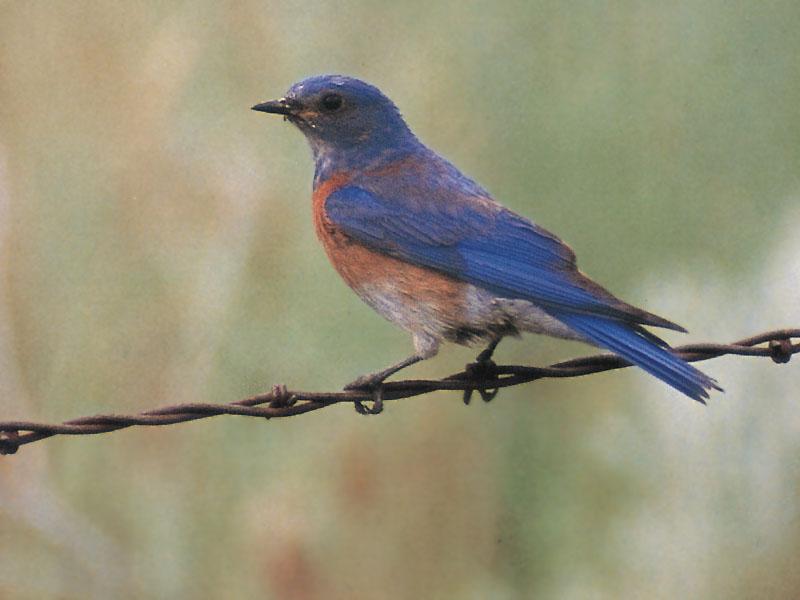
x,y
363,268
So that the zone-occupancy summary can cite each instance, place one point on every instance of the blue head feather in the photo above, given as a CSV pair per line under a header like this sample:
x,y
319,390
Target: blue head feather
x,y
348,122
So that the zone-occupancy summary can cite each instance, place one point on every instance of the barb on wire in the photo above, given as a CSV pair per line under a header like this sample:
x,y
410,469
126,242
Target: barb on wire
x,y
486,379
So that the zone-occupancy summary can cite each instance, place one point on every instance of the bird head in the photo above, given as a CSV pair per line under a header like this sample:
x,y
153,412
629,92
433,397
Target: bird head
x,y
338,113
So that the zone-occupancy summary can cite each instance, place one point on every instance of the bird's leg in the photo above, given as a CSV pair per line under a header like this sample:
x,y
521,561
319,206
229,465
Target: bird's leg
x,y
486,355
425,345
483,368
373,379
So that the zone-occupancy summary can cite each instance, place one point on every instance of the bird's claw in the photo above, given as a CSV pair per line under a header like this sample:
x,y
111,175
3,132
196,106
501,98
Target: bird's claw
x,y
377,403
368,383
482,369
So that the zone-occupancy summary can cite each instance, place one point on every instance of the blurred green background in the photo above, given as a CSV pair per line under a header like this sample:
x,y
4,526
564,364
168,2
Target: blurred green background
x,y
156,247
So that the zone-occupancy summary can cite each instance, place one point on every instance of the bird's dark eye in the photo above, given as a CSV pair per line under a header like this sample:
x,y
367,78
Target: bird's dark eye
x,y
331,102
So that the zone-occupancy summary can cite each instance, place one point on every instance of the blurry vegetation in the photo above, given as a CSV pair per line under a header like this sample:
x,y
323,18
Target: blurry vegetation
x,y
156,247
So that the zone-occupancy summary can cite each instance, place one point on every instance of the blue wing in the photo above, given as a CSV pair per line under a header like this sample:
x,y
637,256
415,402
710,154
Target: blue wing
x,y
478,241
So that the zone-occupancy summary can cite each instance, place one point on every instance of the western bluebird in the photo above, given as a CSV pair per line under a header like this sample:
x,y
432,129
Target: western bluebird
x,y
433,252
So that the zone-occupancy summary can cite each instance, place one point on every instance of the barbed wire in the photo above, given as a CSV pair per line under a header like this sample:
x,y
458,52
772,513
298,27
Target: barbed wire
x,y
486,378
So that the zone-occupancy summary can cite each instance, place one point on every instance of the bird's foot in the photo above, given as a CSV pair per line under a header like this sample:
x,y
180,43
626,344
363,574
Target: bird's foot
x,y
374,383
484,368
366,382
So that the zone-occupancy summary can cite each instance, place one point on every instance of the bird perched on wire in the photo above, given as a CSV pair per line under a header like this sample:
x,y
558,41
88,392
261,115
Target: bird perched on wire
x,y
433,252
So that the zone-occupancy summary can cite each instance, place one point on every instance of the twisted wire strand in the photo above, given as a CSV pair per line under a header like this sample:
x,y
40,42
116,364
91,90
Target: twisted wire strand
x,y
779,345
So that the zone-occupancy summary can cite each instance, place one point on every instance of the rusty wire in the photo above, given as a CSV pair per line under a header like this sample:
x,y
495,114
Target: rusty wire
x,y
485,378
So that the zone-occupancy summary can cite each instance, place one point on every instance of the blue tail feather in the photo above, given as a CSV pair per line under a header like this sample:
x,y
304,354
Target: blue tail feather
x,y
633,344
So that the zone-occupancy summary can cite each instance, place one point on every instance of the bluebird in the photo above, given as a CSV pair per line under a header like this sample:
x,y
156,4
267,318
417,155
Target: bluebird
x,y
432,251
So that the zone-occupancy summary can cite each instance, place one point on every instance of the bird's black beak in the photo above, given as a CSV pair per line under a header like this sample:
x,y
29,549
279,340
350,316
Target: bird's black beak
x,y
282,106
